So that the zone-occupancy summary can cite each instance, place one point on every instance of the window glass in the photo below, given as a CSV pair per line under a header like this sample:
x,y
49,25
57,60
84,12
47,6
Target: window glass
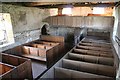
x,y
98,10
6,31
67,11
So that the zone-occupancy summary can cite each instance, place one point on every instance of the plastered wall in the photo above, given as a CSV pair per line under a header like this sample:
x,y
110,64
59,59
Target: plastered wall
x,y
116,32
26,22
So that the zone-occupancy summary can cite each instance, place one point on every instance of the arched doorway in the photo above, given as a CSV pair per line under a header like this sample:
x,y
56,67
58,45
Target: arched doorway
x,y
44,30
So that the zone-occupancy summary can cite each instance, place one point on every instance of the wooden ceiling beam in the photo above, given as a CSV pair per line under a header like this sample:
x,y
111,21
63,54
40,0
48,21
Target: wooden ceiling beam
x,y
65,1
78,5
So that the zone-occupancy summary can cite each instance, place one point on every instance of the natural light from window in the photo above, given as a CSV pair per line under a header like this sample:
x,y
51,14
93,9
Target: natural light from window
x,y
6,31
98,10
53,12
67,11
2,33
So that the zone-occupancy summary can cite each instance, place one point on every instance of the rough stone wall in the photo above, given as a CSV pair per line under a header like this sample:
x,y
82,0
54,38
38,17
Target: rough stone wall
x,y
26,22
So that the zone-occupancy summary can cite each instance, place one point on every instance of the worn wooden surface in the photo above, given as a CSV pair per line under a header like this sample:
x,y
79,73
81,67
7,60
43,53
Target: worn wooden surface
x,y
97,22
92,59
21,67
52,38
5,68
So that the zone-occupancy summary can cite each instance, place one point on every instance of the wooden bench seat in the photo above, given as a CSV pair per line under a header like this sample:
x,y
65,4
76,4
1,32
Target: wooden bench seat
x,y
95,41
65,74
95,45
91,59
89,67
92,52
94,48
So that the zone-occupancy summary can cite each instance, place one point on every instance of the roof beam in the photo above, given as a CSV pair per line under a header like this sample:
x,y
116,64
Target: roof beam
x,y
77,5
71,1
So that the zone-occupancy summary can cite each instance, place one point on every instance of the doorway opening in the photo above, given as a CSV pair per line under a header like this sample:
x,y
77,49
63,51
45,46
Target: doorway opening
x,y
44,30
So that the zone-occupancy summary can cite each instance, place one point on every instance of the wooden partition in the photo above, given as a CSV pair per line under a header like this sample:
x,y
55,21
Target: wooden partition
x,y
47,49
58,39
14,67
97,22
92,62
54,40
91,59
94,48
41,46
36,53
48,43
64,73
89,67
95,44
5,68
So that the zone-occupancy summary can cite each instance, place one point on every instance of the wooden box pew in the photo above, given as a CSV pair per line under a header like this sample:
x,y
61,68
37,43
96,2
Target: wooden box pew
x,y
5,68
103,49
52,44
64,74
92,52
89,68
86,40
57,46
95,45
96,40
46,43
46,55
41,46
34,53
80,71
91,59
21,67
12,60
56,39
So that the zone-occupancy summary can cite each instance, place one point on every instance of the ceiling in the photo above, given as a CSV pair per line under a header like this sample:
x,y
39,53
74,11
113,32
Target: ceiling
x,y
65,3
